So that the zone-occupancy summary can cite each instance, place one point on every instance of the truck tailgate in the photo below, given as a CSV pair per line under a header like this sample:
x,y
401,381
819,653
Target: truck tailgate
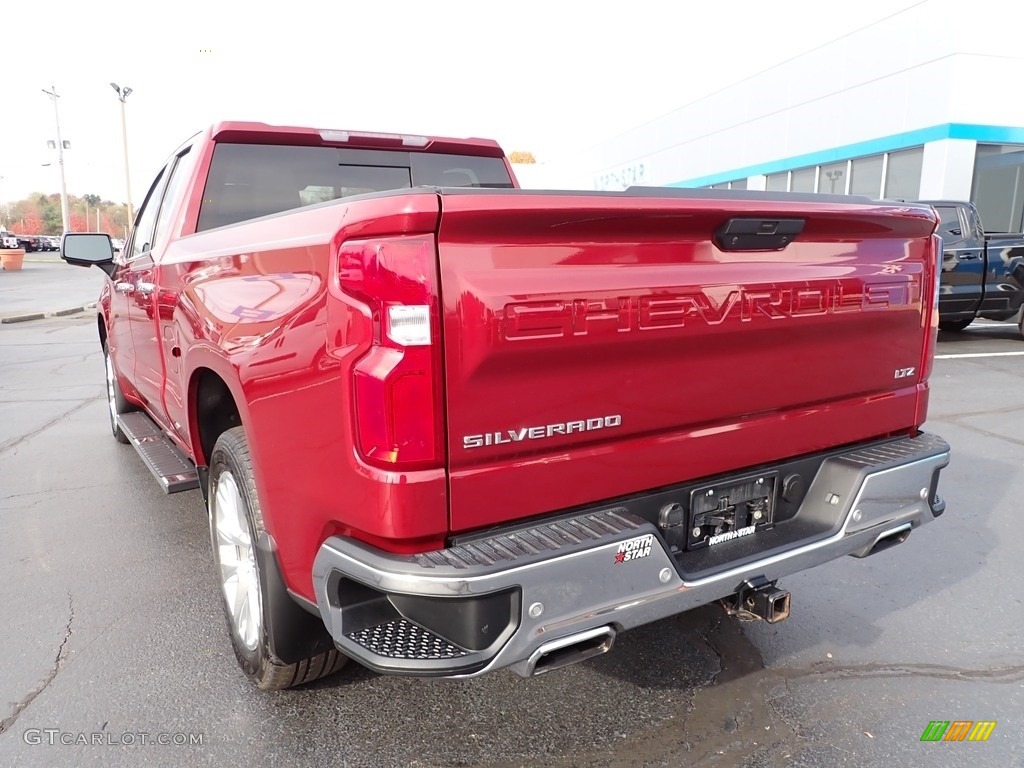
x,y
597,345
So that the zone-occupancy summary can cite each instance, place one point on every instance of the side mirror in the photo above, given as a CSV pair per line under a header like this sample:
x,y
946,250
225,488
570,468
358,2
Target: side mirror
x,y
87,249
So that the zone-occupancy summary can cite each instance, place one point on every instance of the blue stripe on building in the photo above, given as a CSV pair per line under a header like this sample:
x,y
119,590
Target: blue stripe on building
x,y
989,134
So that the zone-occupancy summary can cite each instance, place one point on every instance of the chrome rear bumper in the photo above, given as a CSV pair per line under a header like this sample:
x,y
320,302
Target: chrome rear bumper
x,y
500,601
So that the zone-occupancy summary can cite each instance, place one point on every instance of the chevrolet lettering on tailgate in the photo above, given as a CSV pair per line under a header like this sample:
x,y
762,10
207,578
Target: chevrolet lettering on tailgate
x,y
677,309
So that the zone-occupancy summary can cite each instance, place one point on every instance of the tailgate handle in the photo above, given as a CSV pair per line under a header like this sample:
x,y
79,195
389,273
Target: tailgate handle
x,y
757,234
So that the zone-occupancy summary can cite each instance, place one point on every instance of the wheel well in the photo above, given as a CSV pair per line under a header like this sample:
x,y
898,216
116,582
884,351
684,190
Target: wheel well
x,y
215,409
103,330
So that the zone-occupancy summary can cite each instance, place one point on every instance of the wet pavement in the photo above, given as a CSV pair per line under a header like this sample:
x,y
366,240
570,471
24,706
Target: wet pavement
x,y
45,284
113,629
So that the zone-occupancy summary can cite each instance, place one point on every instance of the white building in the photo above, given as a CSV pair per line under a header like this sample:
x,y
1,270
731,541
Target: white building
x,y
927,103
537,175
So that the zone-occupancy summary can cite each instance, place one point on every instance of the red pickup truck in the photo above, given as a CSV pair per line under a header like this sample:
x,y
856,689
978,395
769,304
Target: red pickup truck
x,y
444,426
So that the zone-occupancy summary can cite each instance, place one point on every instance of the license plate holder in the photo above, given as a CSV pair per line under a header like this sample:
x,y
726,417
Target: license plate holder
x,y
731,510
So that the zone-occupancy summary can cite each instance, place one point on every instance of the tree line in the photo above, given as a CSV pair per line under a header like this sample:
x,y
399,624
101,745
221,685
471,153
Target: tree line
x,y
40,214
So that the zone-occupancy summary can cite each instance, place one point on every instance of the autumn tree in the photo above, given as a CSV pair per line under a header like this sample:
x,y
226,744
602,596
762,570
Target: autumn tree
x,y
24,217
28,224
53,220
41,214
118,219
522,158
77,223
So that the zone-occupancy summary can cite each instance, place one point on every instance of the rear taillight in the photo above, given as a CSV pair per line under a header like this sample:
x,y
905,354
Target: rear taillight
x,y
931,301
397,383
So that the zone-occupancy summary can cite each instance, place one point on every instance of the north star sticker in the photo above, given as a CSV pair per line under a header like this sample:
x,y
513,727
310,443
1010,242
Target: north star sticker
x,y
634,549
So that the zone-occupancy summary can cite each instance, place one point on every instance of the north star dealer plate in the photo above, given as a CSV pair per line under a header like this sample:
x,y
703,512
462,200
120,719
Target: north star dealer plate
x,y
731,510
634,549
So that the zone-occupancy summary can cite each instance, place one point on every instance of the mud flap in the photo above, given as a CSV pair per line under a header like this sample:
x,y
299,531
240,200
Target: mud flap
x,y
293,633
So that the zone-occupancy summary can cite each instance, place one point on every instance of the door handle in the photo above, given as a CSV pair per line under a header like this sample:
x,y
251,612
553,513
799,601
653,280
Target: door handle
x,y
968,256
146,288
124,287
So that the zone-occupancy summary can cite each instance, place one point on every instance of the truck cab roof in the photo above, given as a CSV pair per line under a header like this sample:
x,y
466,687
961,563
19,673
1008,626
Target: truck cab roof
x,y
250,132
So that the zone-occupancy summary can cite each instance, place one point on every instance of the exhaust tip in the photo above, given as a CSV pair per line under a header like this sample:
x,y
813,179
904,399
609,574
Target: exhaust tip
x,y
570,650
891,538
886,541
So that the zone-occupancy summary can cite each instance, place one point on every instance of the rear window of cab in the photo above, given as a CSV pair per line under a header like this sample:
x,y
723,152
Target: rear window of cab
x,y
247,181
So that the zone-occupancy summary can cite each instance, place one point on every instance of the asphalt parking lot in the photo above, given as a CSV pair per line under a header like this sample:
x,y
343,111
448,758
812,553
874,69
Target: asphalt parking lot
x,y
112,627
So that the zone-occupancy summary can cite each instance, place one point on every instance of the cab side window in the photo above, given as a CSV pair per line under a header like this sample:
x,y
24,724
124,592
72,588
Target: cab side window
x,y
950,226
179,174
145,222
979,229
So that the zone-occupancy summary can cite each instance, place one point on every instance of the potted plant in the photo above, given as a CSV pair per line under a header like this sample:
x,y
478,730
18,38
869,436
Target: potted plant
x,y
12,258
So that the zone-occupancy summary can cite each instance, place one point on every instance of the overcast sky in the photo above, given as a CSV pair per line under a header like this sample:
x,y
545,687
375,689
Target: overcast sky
x,y
538,76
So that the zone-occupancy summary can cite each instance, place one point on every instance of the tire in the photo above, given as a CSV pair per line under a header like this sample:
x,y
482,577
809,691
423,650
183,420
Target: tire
x,y
236,528
116,403
954,326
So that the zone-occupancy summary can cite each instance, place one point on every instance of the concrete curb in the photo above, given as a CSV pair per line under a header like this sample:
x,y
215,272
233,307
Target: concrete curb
x,y
43,315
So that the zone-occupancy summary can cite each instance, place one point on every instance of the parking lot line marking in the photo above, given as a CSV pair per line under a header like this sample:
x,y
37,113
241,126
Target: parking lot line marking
x,y
977,354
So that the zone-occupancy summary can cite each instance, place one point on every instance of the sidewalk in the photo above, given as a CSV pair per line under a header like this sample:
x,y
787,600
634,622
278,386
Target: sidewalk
x,y
46,287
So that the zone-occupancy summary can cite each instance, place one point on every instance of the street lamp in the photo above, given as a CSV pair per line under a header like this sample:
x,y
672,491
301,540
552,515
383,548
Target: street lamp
x,y
3,210
833,177
52,93
122,94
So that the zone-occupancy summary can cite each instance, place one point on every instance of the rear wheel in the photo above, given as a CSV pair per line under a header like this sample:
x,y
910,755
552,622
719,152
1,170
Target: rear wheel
x,y
116,403
954,326
236,524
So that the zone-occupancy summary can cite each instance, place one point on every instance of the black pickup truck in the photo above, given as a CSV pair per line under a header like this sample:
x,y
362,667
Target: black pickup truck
x,y
30,243
982,272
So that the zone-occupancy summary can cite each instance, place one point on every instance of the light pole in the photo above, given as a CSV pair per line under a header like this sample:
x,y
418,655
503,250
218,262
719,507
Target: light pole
x,y
52,93
122,94
833,177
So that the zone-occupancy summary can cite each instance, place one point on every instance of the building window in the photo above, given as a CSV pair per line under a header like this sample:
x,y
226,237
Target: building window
x,y
832,180
738,184
903,174
999,175
998,188
803,180
866,176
